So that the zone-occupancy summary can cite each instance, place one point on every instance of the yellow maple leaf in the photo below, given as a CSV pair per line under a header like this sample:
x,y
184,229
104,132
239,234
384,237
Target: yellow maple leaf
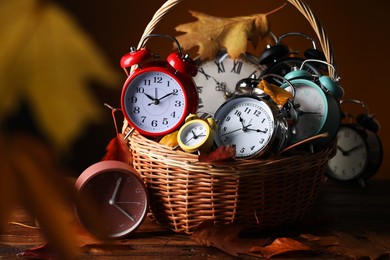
x,y
212,33
49,61
277,94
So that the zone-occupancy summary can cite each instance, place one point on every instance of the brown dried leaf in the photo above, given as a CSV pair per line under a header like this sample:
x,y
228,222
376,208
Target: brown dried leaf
x,y
280,246
220,154
212,33
223,237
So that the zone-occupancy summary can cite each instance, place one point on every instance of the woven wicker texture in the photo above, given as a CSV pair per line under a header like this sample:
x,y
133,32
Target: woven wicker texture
x,y
258,193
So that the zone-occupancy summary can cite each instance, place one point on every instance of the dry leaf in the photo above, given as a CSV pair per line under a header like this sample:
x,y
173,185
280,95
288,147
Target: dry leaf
x,y
352,245
48,61
41,190
220,154
170,139
279,95
212,34
117,149
280,246
223,237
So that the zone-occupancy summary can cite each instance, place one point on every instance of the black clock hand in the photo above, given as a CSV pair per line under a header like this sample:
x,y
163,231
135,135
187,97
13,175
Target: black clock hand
x,y
308,113
345,153
354,148
167,95
258,130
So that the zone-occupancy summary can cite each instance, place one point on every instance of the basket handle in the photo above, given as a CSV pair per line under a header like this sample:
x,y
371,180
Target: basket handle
x,y
299,4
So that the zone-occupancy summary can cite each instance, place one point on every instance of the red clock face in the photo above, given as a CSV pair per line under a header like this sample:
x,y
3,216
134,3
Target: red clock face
x,y
119,195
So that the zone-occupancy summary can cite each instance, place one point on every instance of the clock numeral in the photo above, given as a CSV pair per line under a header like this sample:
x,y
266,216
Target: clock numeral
x,y
237,113
173,114
247,110
242,150
147,83
261,141
252,147
136,110
237,66
140,90
154,123
158,80
175,92
200,103
228,118
133,99
226,139
200,89
207,76
257,113
178,103
220,66
223,130
165,121
143,118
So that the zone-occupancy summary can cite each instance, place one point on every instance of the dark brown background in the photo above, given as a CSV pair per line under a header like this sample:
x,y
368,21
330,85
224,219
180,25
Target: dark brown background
x,y
357,29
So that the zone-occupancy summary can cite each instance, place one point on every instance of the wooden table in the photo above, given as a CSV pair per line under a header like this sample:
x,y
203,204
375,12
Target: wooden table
x,y
346,207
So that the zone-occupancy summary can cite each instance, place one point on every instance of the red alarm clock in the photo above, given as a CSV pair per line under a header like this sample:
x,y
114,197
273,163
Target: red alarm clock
x,y
158,94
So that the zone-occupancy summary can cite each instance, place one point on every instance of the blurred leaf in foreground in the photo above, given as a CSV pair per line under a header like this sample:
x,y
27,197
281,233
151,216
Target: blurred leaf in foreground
x,y
48,61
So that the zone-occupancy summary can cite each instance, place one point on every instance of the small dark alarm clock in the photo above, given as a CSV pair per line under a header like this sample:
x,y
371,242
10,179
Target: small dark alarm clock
x,y
117,193
359,148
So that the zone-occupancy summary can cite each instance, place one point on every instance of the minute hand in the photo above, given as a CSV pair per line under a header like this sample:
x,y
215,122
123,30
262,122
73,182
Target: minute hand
x,y
167,95
258,130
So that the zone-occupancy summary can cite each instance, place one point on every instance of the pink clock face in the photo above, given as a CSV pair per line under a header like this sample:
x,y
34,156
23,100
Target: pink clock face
x,y
119,195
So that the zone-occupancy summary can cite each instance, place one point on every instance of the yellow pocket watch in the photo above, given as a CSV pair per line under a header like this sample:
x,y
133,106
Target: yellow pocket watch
x,y
196,134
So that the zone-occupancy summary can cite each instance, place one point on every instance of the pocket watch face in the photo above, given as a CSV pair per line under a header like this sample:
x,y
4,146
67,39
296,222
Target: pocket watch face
x,y
247,123
217,79
154,102
350,160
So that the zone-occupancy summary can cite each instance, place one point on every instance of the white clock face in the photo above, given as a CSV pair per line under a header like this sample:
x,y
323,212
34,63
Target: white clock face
x,y
247,123
216,80
155,103
312,111
194,134
351,157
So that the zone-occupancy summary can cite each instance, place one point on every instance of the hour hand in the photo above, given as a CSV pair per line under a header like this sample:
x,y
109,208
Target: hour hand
x,y
113,196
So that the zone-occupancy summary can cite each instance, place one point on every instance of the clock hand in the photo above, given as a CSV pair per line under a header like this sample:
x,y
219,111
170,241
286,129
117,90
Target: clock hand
x,y
354,148
128,202
113,196
231,132
341,149
154,100
257,130
308,113
123,211
167,95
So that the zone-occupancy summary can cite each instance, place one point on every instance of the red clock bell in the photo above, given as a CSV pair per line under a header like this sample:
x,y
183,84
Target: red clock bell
x,y
158,94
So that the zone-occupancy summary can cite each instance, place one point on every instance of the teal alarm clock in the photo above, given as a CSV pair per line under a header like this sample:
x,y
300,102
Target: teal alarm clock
x,y
317,107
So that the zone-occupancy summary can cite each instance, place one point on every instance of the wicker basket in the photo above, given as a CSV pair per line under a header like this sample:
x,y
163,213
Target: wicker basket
x,y
259,193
